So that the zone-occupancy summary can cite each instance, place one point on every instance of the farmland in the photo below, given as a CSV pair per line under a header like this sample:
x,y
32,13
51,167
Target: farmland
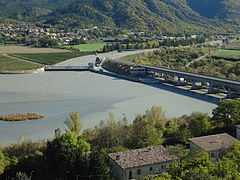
x,y
88,47
227,54
235,45
49,58
25,49
10,64
17,58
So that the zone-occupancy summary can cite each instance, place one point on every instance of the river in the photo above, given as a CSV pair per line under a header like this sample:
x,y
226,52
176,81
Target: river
x,y
56,94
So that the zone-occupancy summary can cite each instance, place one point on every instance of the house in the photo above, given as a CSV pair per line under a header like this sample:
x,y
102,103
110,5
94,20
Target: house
x,y
139,163
213,144
238,132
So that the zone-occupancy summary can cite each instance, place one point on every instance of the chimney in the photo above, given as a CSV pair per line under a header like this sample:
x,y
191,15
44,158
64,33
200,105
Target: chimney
x,y
117,157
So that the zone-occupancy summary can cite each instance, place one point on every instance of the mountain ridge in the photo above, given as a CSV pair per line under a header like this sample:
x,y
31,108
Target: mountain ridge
x,y
159,15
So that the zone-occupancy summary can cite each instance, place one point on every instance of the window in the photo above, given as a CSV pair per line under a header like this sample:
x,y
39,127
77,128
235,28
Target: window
x,y
139,171
130,174
151,169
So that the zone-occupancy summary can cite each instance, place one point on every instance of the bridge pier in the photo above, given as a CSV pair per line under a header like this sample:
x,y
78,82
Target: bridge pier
x,y
165,77
179,83
229,94
210,89
193,85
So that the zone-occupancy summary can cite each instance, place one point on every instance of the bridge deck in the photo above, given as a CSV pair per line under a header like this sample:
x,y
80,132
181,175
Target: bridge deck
x,y
195,77
66,68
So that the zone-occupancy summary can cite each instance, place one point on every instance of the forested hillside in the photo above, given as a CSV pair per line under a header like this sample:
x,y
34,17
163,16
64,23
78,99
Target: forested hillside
x,y
162,15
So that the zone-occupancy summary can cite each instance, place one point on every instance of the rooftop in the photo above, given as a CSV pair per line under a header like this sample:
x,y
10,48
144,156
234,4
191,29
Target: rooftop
x,y
142,157
238,126
214,142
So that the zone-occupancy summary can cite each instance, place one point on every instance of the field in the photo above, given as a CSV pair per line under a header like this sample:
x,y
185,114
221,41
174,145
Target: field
x,y
88,47
49,58
10,64
235,45
24,49
227,54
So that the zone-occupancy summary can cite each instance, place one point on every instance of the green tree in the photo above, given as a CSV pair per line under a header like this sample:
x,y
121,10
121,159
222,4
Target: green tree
x,y
164,176
226,169
199,124
74,124
226,115
98,165
143,134
4,162
68,154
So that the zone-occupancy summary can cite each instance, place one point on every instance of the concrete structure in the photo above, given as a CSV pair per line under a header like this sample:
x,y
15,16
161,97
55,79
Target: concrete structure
x,y
238,132
191,77
66,68
213,144
139,163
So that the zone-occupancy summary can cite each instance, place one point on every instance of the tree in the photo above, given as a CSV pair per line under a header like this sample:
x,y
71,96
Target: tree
x,y
226,115
68,154
21,176
48,42
143,134
164,176
73,124
226,169
199,124
98,165
4,162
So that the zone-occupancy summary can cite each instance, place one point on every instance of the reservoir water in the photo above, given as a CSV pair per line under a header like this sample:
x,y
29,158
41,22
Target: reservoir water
x,y
56,94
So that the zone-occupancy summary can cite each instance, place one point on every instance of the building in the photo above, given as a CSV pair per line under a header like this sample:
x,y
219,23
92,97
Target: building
x,y
139,163
213,144
238,132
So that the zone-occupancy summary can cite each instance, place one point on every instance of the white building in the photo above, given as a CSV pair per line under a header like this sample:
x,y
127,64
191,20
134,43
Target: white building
x,y
139,163
213,144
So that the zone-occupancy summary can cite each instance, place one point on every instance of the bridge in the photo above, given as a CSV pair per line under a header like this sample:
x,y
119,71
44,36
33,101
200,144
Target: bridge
x,y
212,82
66,68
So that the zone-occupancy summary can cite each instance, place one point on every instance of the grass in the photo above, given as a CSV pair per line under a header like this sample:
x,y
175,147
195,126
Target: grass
x,y
21,117
88,47
9,64
227,54
50,58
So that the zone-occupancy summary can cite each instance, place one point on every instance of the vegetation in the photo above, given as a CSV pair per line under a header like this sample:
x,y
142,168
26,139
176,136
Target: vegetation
x,y
73,124
169,57
233,55
183,42
10,64
21,117
70,155
50,58
216,67
88,47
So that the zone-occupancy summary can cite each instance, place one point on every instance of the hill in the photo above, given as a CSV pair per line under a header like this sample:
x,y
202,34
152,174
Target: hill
x,y
161,15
